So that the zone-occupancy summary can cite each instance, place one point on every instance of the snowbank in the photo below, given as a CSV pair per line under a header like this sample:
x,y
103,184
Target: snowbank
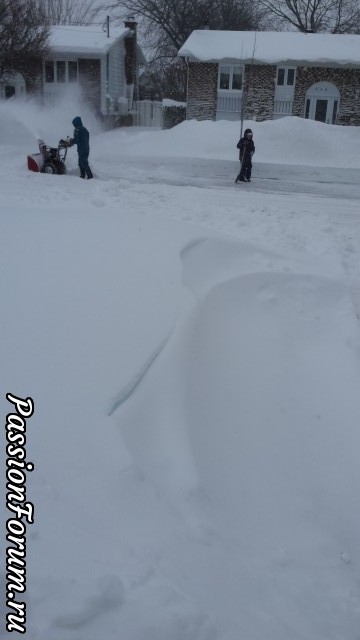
x,y
286,141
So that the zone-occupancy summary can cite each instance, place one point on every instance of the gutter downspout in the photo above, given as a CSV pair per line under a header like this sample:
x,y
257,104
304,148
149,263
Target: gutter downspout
x,y
107,67
246,86
107,83
242,103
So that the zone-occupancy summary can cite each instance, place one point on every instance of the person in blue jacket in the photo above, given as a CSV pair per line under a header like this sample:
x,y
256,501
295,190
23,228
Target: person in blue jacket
x,y
81,139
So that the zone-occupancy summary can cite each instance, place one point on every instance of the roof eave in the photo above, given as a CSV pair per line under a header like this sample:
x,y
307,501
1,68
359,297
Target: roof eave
x,y
349,64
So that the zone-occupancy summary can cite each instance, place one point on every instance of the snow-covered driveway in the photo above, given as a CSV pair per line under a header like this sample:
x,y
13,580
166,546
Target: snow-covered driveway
x,y
329,182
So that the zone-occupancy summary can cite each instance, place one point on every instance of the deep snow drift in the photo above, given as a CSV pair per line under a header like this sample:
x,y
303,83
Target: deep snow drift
x,y
193,355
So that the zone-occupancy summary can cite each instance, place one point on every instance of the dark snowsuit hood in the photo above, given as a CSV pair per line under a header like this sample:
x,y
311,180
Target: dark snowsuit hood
x,y
77,122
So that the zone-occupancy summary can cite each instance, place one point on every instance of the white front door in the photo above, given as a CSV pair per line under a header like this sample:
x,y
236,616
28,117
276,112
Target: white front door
x,y
322,102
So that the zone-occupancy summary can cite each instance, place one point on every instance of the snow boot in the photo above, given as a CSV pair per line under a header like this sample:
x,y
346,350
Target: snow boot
x,y
89,173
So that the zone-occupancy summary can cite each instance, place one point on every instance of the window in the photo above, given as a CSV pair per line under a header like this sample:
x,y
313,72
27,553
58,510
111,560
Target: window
x,y
285,76
224,77
61,71
307,108
281,77
290,77
237,79
230,77
73,71
49,71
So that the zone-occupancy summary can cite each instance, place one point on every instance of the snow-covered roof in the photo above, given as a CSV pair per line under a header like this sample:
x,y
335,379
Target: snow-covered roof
x,y
83,40
273,47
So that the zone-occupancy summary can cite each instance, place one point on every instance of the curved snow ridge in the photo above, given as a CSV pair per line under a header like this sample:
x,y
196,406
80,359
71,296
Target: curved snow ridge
x,y
210,261
255,406
131,386
110,594
207,262
149,611
126,392
190,246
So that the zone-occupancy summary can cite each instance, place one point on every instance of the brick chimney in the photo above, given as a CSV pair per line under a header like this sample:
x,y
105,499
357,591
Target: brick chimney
x,y
130,23
130,51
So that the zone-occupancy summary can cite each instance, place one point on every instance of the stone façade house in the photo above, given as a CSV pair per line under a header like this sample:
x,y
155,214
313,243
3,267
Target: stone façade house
x,y
267,75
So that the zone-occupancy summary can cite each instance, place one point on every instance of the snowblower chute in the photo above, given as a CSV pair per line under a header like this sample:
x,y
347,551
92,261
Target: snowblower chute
x,y
49,159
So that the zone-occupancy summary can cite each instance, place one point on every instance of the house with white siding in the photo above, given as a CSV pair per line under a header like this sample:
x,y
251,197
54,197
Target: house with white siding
x,y
104,65
266,75
12,85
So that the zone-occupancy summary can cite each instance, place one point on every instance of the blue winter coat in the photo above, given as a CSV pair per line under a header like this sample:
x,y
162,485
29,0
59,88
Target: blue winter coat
x,y
81,138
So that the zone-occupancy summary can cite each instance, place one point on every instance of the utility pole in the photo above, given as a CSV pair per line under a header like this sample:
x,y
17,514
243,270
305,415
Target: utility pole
x,y
245,88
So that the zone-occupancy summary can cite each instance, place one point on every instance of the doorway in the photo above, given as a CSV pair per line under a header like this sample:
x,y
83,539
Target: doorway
x,y
322,102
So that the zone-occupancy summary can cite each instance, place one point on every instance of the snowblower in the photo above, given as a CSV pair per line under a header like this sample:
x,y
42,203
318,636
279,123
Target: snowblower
x,y
49,159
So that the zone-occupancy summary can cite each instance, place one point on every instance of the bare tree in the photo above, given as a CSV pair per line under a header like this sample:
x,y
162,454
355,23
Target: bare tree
x,y
168,23
23,37
336,16
161,80
62,12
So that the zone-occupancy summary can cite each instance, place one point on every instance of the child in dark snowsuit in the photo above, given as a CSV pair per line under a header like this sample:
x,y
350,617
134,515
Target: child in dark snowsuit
x,y
81,139
247,150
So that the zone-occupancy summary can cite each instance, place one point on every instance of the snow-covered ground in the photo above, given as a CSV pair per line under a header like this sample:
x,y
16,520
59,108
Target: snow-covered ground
x,y
192,349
